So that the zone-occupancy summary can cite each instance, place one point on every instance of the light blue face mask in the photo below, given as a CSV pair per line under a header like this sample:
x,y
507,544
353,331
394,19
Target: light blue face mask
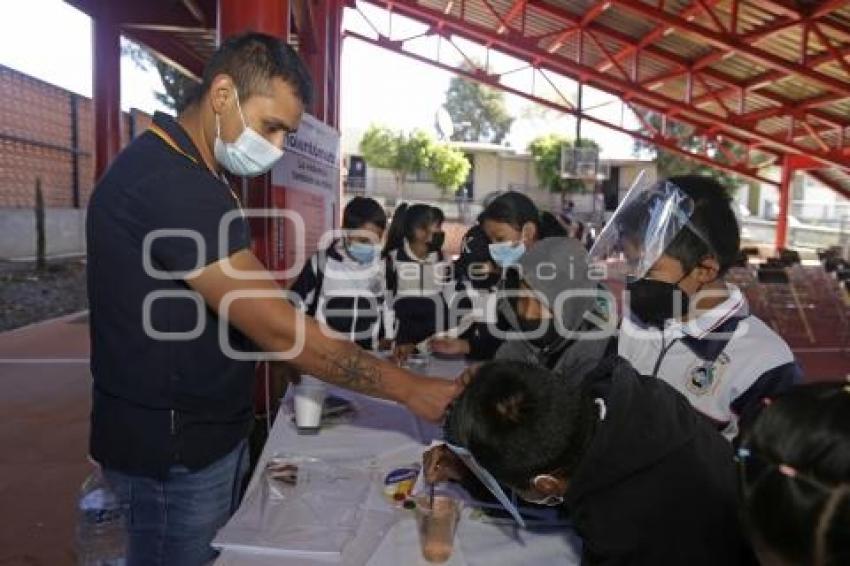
x,y
362,253
506,254
250,155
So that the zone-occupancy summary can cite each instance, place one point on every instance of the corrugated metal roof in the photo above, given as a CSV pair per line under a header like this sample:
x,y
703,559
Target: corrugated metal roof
x,y
625,23
768,65
618,23
683,46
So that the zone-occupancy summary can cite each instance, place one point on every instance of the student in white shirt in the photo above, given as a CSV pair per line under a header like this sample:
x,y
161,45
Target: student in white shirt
x,y
418,276
683,322
344,285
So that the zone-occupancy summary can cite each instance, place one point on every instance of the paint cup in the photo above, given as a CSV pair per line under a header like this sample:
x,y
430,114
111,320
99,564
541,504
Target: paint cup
x,y
437,521
418,361
309,400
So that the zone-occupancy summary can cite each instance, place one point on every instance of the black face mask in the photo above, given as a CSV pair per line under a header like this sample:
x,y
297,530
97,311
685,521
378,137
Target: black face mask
x,y
437,241
654,302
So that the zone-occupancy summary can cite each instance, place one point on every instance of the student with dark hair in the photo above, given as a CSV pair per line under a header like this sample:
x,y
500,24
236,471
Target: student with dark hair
x,y
513,224
418,277
509,226
559,318
795,475
344,285
439,216
476,280
685,324
438,238
168,247
645,480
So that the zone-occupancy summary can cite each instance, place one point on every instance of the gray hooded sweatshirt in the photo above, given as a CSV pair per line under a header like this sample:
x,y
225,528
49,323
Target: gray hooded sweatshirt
x,y
552,266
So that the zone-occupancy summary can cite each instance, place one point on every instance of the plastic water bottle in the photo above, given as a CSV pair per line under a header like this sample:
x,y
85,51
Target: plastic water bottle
x,y
101,535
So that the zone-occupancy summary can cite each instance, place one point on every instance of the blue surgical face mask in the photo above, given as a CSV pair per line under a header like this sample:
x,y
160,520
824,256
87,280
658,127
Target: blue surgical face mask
x,y
362,253
250,155
506,254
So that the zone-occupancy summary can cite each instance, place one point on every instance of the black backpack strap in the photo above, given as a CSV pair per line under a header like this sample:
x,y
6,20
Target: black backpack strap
x,y
391,275
320,279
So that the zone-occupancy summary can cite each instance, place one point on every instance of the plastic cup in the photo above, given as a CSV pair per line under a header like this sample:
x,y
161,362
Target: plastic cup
x,y
437,526
309,400
418,361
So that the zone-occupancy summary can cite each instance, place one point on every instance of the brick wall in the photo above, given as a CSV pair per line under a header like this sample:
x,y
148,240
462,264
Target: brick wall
x,y
36,135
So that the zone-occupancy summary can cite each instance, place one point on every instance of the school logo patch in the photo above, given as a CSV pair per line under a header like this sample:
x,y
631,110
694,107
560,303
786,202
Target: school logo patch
x,y
704,378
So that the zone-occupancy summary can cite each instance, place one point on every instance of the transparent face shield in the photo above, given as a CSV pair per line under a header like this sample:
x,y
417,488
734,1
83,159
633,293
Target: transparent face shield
x,y
643,226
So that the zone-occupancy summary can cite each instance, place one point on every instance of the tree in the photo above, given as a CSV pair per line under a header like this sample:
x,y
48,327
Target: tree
x,y
477,111
384,148
448,166
546,151
179,88
671,164
40,231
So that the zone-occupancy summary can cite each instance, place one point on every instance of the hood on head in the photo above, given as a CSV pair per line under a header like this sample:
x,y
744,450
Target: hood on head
x,y
646,420
556,265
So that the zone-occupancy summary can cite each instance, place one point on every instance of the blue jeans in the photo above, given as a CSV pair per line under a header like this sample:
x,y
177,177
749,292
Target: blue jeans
x,y
173,522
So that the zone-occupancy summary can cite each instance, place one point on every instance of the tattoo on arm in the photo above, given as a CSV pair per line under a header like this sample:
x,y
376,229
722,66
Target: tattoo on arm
x,y
354,369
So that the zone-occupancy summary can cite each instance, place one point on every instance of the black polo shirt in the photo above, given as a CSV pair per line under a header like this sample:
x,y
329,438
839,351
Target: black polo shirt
x,y
165,393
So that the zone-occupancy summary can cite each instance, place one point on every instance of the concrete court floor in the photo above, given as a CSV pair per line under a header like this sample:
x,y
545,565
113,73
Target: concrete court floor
x,y
44,403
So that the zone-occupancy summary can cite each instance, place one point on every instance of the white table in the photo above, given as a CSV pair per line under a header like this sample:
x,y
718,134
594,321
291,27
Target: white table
x,y
386,432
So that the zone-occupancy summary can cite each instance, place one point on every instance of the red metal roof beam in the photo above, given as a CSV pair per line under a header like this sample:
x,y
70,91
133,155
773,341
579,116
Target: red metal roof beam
x,y
816,136
522,49
581,24
516,9
826,42
782,7
748,172
728,42
657,33
712,16
154,16
829,183
825,8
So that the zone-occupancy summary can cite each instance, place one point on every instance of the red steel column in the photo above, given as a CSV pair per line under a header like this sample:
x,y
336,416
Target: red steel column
x,y
334,56
266,16
106,89
271,17
317,55
320,35
784,200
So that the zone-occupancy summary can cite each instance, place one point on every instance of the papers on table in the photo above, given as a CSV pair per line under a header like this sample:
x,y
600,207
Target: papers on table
x,y
324,510
488,480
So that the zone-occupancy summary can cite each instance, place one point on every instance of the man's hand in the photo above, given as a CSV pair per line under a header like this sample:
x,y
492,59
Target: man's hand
x,y
440,465
449,346
429,396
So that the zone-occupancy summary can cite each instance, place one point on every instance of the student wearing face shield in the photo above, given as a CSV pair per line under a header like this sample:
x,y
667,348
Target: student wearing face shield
x,y
344,285
683,323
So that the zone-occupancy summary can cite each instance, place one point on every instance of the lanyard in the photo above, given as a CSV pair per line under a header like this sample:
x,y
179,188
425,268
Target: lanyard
x,y
164,136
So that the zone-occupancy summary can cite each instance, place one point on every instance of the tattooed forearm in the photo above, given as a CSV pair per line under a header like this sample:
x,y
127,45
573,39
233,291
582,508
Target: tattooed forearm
x,y
353,368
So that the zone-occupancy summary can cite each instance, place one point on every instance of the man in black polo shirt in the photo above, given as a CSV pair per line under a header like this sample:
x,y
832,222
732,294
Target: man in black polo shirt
x,y
168,253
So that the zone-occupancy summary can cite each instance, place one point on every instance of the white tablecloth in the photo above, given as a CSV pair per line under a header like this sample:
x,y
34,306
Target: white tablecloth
x,y
389,435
